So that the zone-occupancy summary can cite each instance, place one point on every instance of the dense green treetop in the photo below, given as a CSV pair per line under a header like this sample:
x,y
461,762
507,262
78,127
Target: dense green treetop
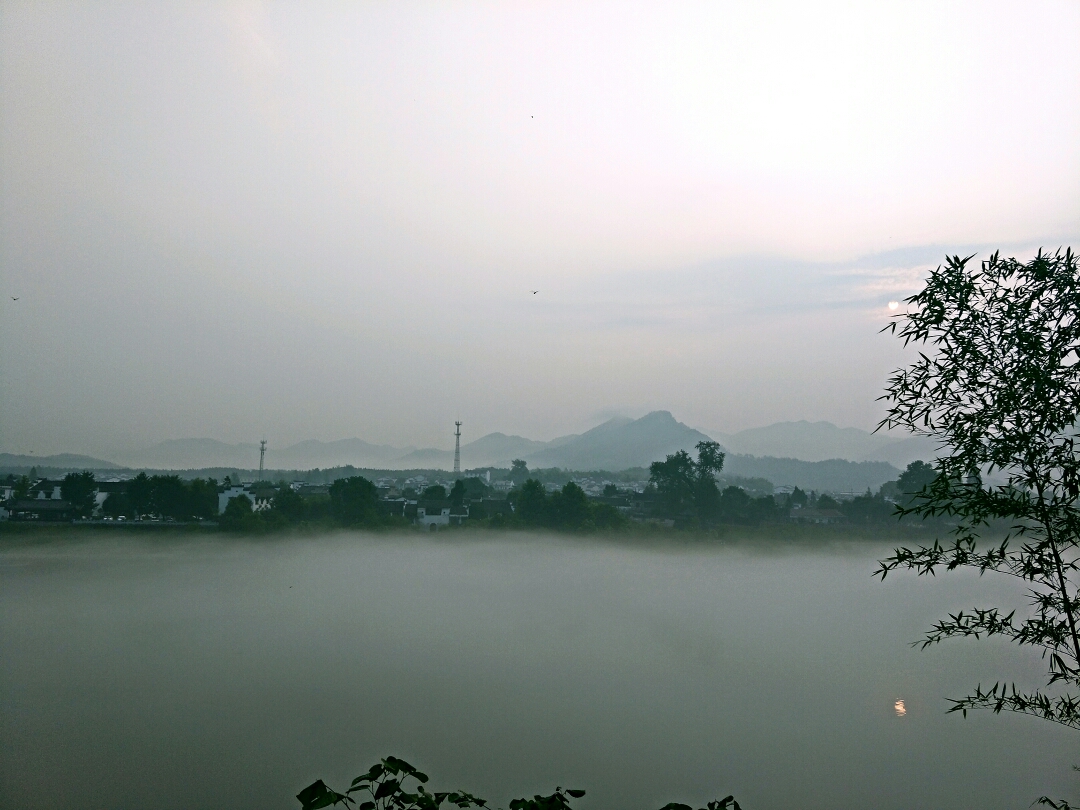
x,y
78,490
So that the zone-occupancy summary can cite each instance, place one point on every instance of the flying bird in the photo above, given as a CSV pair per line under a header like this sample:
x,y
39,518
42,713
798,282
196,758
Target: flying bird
x,y
534,292
13,298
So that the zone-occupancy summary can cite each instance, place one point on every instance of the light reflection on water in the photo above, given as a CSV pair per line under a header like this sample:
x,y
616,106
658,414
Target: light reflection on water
x,y
233,674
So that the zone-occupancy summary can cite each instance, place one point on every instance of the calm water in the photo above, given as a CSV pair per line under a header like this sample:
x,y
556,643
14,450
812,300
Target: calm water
x,y
191,674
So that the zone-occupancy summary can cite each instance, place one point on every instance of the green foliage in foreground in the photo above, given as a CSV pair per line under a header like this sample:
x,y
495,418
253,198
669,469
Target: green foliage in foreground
x,y
384,787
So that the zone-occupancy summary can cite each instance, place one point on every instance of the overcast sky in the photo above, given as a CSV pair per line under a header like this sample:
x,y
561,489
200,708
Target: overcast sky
x,y
325,220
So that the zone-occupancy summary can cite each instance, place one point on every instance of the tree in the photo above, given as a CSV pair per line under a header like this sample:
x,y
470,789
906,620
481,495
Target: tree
x,y
139,491
519,471
532,506
827,502
869,508
170,497
436,492
354,501
79,489
917,477
570,508
735,505
238,514
21,489
674,482
116,504
457,495
999,388
688,487
474,487
202,498
290,504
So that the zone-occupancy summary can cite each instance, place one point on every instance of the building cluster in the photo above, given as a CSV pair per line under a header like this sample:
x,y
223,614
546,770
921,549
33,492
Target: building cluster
x,y
417,498
414,498
43,500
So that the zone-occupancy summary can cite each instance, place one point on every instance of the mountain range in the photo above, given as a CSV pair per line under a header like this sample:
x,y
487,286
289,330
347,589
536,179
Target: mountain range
x,y
190,454
617,444
60,461
806,454
823,441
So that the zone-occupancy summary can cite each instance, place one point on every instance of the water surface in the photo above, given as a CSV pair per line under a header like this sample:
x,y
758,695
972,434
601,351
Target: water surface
x,y
138,672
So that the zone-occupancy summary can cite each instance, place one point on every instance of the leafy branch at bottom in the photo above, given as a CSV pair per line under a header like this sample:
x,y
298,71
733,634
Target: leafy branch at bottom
x,y
383,787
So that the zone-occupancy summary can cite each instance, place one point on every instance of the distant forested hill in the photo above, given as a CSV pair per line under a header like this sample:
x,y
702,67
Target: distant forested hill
x,y
822,441
835,475
13,462
621,443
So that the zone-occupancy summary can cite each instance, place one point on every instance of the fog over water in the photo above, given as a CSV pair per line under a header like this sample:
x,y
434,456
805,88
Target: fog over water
x,y
142,672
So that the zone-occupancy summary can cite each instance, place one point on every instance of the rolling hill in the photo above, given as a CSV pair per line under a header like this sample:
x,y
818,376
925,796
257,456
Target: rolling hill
x,y
62,461
823,441
621,443
814,455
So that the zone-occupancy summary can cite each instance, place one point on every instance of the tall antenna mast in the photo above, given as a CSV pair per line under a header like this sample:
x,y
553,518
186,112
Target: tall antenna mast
x,y
457,449
262,455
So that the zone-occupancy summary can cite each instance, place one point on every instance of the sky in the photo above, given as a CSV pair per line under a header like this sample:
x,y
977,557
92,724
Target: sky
x,y
295,220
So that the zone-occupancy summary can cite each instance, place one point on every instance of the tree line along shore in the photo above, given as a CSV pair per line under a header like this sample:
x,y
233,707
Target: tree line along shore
x,y
681,493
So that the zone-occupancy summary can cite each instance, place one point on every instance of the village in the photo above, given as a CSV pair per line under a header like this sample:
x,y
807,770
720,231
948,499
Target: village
x,y
430,500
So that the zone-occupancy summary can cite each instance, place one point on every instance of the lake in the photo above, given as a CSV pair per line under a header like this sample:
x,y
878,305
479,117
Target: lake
x,y
209,673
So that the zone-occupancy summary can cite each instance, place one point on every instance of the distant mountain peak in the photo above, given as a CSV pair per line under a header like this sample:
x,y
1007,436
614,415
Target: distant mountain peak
x,y
618,443
659,416
621,443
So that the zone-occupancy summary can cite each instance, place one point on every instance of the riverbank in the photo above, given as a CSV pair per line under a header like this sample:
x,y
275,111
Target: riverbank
x,y
20,533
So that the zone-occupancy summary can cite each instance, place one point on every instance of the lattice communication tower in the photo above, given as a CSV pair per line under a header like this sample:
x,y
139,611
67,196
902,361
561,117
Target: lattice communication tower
x,y
457,449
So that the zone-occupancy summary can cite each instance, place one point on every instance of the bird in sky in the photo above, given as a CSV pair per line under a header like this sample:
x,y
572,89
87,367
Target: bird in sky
x,y
13,298
534,292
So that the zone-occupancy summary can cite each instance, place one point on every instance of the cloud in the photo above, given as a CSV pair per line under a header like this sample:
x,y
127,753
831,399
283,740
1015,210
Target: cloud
x,y
325,220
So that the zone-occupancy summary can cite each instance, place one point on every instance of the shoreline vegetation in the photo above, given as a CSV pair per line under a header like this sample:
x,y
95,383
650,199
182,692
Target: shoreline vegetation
x,y
14,534
684,498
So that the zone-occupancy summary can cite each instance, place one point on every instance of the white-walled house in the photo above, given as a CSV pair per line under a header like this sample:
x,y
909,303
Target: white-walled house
x,y
431,517
228,494
261,499
104,489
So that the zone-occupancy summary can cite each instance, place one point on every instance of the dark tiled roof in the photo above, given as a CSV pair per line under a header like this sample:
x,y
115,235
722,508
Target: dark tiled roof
x,y
40,505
